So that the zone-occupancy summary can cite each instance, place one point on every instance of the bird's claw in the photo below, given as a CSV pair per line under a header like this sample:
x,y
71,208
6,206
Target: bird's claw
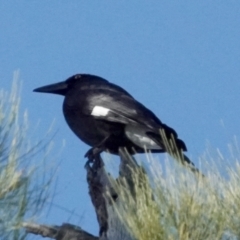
x,y
92,155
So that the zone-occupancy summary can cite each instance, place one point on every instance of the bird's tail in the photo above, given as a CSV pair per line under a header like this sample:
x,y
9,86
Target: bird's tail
x,y
175,147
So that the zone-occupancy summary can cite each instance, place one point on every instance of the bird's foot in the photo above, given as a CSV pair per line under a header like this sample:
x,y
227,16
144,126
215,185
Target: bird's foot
x,y
92,152
95,163
93,155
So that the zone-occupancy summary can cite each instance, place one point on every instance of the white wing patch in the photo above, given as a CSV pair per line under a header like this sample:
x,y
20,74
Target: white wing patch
x,y
99,111
138,136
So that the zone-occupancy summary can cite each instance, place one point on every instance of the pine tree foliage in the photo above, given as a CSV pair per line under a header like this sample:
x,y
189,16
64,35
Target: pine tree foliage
x,y
173,203
23,187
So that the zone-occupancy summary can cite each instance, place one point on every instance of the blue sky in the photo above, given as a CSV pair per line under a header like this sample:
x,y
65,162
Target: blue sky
x,y
180,58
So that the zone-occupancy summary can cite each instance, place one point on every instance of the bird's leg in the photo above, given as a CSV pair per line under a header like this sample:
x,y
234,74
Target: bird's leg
x,y
93,153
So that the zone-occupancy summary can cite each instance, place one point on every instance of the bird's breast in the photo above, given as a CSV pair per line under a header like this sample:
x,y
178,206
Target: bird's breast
x,y
89,129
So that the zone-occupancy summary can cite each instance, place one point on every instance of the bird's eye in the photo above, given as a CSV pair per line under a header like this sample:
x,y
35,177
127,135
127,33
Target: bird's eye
x,y
77,76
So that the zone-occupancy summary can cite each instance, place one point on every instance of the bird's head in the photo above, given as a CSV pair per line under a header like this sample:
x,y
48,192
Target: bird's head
x,y
62,88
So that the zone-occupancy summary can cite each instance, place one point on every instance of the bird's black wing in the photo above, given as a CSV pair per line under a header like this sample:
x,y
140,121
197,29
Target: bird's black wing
x,y
121,108
114,106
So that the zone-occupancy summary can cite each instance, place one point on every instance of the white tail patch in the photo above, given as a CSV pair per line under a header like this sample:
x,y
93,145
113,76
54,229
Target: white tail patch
x,y
138,136
99,111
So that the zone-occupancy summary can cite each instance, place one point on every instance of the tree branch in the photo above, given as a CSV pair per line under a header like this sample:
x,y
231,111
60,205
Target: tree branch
x,y
105,193
64,232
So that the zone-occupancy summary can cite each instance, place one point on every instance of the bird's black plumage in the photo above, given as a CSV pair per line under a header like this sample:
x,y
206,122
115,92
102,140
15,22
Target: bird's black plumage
x,y
106,117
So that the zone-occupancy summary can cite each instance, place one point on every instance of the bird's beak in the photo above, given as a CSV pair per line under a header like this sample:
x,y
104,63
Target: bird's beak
x,y
56,88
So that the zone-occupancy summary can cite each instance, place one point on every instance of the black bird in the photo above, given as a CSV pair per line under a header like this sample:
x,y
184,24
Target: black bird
x,y
106,117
